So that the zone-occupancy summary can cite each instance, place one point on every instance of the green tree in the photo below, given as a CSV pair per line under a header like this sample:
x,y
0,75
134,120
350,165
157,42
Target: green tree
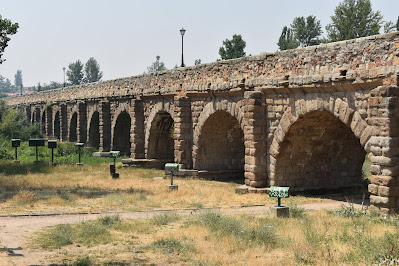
x,y
389,27
197,62
307,31
156,66
287,39
233,48
51,86
75,73
397,24
353,19
92,71
18,79
7,28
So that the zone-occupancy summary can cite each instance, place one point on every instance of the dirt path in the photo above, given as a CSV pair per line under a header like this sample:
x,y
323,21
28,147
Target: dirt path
x,y
15,229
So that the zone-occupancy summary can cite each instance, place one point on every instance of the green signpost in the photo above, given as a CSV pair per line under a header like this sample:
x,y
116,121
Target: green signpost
x,y
114,154
79,145
36,143
52,144
16,143
279,192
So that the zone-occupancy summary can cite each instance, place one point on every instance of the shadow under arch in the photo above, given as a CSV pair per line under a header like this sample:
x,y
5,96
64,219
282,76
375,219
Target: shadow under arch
x,y
94,130
121,140
221,147
319,152
73,136
160,140
43,122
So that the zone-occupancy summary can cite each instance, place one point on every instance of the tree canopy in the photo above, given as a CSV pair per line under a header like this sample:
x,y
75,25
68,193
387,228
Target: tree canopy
x,y
353,19
287,39
7,28
75,73
18,79
156,66
92,71
307,31
233,48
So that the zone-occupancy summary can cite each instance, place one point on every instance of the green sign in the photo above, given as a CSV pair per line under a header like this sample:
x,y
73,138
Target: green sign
x,y
36,142
279,192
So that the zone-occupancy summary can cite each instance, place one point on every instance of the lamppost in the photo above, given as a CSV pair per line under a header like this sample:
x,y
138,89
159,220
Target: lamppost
x,y
64,75
182,31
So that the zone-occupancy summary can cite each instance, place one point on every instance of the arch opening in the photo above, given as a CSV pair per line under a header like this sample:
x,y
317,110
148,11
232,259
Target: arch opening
x,y
319,152
57,132
121,141
160,140
94,130
73,136
221,146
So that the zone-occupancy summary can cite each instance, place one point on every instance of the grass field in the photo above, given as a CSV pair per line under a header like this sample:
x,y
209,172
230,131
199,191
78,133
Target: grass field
x,y
342,237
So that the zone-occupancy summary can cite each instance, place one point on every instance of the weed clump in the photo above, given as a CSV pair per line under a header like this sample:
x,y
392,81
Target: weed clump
x,y
164,218
297,212
173,245
25,197
259,234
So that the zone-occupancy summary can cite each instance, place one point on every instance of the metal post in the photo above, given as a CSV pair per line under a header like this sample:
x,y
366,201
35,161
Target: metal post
x,y
182,60
36,155
79,153
52,155
279,202
16,153
115,162
171,178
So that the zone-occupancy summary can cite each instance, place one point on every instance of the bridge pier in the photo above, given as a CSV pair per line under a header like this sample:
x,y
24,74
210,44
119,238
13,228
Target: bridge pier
x,y
183,132
105,126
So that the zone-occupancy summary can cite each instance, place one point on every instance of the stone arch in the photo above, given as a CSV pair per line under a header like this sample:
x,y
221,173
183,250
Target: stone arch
x,y
219,146
94,130
73,124
318,144
57,125
160,139
156,108
121,133
232,108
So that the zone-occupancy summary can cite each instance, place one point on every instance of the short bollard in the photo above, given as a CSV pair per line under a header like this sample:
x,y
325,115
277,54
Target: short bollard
x,y
279,193
112,167
171,169
79,145
16,143
36,143
52,144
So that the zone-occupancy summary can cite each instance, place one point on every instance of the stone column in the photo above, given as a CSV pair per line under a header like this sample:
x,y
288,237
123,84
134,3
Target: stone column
x,y
105,126
82,122
28,113
37,115
49,122
137,134
384,147
255,139
63,122
183,133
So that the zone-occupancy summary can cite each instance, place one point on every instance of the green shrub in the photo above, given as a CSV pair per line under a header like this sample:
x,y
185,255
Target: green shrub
x,y
297,212
164,218
57,237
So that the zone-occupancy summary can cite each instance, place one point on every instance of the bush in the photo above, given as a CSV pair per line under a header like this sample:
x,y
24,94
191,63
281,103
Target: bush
x,y
173,245
297,212
25,197
164,218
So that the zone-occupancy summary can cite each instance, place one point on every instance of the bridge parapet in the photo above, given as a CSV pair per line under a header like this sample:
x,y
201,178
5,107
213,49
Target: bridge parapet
x,y
355,63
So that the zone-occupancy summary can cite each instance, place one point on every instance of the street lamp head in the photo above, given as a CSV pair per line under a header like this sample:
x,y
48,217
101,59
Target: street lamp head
x,y
182,31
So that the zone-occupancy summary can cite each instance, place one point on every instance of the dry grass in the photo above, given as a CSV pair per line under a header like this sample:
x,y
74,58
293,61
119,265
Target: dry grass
x,y
318,239
90,188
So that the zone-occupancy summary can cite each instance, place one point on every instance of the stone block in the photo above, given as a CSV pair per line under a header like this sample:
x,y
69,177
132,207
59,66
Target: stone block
x,y
280,212
373,189
385,161
382,201
383,180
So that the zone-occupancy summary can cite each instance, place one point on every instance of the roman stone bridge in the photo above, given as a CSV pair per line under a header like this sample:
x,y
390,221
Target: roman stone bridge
x,y
304,118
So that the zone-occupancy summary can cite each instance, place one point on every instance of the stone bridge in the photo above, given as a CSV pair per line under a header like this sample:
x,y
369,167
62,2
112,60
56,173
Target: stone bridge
x,y
304,118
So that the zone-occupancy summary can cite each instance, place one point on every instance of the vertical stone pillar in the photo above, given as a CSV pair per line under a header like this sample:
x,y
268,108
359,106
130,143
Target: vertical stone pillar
x,y
183,133
383,115
137,135
64,122
49,122
28,113
255,139
82,122
105,126
37,115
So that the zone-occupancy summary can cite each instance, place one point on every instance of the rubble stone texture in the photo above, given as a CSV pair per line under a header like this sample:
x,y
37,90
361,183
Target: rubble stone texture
x,y
304,118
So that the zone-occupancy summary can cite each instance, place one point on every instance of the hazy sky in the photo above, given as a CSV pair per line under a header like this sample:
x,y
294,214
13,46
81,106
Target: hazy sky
x,y
126,36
